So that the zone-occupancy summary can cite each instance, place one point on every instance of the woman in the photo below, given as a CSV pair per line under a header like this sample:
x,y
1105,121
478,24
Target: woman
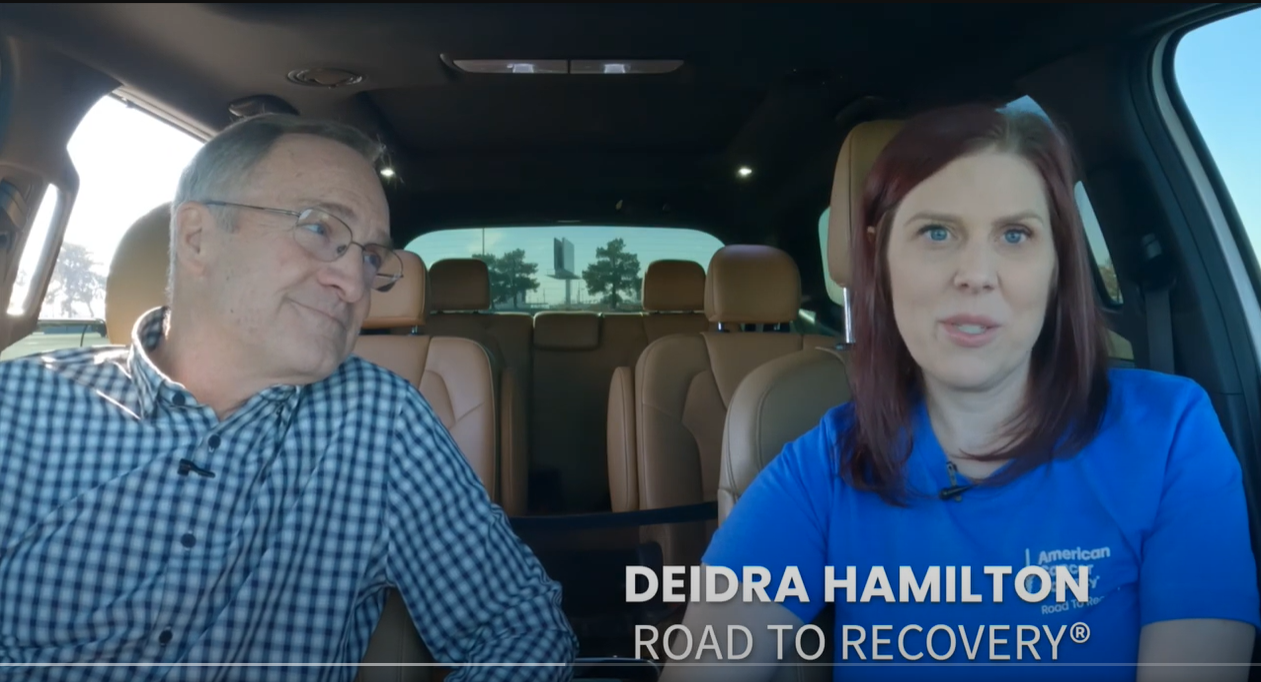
x,y
986,430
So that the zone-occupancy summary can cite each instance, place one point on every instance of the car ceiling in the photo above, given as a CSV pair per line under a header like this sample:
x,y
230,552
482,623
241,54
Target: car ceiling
x,y
767,86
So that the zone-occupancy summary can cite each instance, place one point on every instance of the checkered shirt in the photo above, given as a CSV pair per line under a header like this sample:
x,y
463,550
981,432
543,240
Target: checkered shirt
x,y
136,527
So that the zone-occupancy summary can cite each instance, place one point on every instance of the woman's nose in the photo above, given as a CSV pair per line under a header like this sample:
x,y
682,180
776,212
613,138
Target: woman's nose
x,y
975,269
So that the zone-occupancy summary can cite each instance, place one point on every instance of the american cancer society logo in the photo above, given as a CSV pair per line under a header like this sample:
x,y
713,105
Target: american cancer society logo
x,y
1072,558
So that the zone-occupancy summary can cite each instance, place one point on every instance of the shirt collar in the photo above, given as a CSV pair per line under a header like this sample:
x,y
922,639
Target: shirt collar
x,y
155,388
151,384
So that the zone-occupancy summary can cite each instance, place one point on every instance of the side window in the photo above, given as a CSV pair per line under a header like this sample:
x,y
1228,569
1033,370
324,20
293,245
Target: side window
x,y
1215,70
128,162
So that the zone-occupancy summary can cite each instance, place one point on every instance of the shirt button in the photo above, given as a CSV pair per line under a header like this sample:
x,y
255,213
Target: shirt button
x,y
188,540
214,442
178,399
166,637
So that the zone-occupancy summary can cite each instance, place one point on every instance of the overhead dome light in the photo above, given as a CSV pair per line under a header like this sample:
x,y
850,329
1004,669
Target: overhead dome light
x,y
637,67
387,172
565,66
744,171
532,66
325,78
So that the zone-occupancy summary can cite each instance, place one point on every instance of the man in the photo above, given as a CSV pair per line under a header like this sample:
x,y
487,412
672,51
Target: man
x,y
234,486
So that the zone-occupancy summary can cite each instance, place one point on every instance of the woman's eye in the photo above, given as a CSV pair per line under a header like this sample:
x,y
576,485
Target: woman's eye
x,y
936,233
1015,235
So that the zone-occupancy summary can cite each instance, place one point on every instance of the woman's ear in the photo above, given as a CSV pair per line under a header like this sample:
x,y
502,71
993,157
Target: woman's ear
x,y
871,233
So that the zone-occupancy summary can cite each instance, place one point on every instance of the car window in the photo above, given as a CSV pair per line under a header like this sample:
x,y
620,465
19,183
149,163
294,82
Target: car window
x,y
1215,71
570,267
128,162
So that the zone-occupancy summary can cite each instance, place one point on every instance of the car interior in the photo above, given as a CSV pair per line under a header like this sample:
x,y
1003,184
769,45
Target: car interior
x,y
621,428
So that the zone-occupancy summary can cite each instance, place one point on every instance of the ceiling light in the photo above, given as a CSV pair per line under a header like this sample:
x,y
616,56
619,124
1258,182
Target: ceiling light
x,y
566,66
535,66
638,67
744,171
387,172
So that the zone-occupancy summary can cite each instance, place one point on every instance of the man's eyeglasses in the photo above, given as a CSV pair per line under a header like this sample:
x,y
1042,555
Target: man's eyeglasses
x,y
327,237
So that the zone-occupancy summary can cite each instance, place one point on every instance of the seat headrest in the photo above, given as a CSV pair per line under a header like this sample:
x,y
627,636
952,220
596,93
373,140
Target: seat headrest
x,y
404,304
459,284
674,286
752,284
137,277
858,154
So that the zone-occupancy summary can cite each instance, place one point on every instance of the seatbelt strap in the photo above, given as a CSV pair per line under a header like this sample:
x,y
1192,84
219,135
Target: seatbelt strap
x,y
1158,281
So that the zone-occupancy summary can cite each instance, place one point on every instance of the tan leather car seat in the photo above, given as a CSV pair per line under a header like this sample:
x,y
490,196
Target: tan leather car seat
x,y
455,375
459,305
684,383
786,397
136,282
457,378
673,298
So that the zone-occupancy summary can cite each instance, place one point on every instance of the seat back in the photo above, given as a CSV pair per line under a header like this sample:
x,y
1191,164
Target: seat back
x,y
684,384
456,376
674,298
137,277
783,399
786,397
673,293
459,305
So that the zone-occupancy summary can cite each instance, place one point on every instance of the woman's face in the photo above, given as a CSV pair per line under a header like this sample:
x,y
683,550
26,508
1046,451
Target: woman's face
x,y
971,265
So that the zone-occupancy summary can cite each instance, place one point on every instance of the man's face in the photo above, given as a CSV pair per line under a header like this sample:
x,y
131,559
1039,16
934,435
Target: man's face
x,y
294,317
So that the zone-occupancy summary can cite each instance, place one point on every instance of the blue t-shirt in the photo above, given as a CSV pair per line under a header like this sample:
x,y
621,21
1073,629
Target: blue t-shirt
x,y
1154,506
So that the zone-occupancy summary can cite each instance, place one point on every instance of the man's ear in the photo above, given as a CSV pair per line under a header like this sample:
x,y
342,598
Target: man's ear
x,y
193,237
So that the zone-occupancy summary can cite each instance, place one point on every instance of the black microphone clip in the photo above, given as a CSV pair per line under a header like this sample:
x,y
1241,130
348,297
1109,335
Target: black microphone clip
x,y
955,491
187,465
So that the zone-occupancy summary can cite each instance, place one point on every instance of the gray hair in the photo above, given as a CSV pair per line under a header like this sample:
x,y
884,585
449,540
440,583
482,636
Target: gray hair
x,y
222,166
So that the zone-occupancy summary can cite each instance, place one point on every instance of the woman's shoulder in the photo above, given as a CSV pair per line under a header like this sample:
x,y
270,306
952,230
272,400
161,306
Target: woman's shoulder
x,y
1140,395
1158,421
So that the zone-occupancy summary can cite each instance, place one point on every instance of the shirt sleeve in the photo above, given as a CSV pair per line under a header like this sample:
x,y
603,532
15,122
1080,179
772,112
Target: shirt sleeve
x,y
781,521
476,592
1197,556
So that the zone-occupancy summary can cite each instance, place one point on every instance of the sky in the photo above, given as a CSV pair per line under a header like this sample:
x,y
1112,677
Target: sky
x,y
128,162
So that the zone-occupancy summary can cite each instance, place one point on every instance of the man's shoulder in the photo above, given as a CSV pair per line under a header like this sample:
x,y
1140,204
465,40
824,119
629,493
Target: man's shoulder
x,y
86,366
358,379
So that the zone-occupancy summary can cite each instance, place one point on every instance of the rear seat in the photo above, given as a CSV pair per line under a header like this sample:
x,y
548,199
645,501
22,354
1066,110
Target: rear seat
x,y
456,375
683,384
459,304
674,298
575,357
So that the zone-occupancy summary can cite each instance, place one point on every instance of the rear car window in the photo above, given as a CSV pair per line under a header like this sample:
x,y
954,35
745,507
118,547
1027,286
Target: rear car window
x,y
571,267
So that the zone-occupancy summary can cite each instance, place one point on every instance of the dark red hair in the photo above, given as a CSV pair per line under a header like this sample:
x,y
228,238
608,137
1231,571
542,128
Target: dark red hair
x,y
1068,388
